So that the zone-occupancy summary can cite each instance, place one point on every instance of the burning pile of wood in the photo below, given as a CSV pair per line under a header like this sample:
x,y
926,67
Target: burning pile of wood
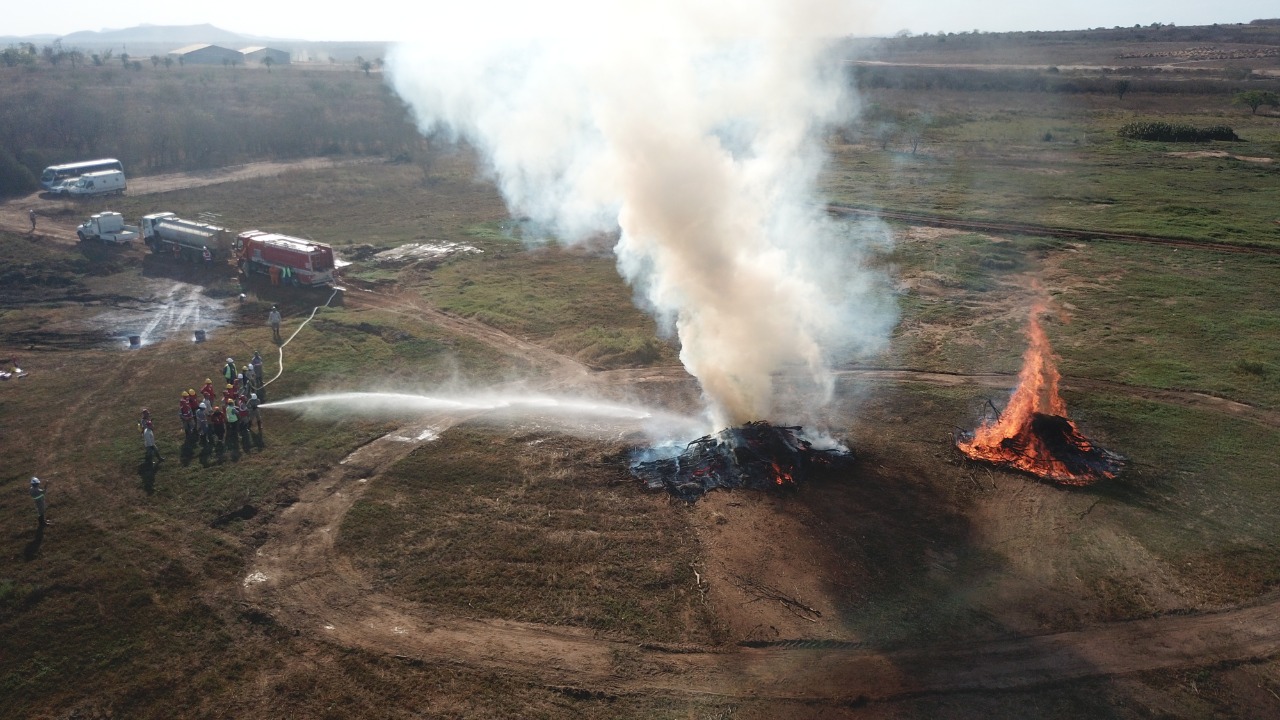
x,y
756,455
1034,434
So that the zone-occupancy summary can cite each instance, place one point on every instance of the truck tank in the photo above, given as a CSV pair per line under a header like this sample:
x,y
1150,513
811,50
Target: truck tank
x,y
165,231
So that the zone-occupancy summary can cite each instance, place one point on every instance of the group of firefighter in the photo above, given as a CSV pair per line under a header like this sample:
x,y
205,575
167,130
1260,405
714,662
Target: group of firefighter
x,y
217,421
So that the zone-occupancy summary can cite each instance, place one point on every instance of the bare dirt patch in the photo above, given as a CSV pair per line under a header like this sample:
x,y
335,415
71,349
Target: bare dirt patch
x,y
1221,154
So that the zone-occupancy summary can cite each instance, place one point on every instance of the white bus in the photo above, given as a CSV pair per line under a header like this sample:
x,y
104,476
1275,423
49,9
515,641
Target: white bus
x,y
55,175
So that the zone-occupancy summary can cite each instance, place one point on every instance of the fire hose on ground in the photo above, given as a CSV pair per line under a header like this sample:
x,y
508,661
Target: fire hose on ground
x,y
314,310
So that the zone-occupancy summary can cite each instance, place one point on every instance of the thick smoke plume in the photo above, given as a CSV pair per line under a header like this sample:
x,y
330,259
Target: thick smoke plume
x,y
694,127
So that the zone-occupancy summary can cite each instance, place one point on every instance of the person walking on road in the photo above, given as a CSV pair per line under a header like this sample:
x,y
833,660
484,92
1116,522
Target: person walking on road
x,y
37,494
149,442
273,319
31,213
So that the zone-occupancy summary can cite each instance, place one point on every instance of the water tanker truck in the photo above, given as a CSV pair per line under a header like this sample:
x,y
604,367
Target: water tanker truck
x,y
309,263
186,240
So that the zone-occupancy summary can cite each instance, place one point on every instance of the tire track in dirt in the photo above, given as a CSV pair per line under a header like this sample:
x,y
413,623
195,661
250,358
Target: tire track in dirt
x,y
1007,228
301,581
564,369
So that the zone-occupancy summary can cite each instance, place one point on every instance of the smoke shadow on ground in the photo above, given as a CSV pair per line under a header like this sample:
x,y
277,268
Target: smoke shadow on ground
x,y
907,564
901,544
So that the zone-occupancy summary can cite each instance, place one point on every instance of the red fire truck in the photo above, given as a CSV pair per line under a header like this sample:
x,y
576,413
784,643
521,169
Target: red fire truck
x,y
309,262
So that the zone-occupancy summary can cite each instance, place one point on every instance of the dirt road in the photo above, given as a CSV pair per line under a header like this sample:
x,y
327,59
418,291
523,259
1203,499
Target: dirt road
x,y
13,213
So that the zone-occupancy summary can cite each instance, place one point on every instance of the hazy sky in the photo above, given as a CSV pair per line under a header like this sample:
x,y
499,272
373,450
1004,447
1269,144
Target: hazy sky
x,y
392,21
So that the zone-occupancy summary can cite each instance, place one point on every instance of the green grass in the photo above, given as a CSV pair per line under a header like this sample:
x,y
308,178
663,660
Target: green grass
x,y
565,299
378,203
1200,486
997,167
355,350
1142,315
1180,319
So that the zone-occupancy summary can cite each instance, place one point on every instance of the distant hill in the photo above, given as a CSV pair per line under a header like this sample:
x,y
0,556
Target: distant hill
x,y
167,34
145,40
160,37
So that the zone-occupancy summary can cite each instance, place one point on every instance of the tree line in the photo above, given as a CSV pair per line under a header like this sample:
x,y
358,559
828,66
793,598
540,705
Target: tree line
x,y
918,78
191,118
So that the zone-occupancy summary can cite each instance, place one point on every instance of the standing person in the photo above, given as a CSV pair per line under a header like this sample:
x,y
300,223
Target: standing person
x,y
146,418
255,416
37,494
149,442
258,373
274,272
207,391
188,417
31,213
229,371
233,423
250,381
202,422
218,423
242,413
207,256
273,319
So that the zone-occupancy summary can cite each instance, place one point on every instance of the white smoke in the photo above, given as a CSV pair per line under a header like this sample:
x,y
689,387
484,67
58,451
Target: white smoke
x,y
694,127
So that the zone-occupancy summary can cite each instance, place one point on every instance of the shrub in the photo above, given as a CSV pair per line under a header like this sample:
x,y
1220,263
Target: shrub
x,y
15,178
1174,132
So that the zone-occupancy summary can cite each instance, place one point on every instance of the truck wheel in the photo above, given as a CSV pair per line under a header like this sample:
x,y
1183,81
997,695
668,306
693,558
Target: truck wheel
x,y
80,234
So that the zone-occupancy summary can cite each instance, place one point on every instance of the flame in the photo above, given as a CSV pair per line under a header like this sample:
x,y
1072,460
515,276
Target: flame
x,y
1013,440
780,476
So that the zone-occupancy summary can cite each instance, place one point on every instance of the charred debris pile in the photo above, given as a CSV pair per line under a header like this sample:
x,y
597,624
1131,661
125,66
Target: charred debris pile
x,y
757,456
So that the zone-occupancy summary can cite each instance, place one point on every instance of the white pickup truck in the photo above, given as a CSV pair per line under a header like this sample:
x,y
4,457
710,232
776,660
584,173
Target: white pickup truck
x,y
108,227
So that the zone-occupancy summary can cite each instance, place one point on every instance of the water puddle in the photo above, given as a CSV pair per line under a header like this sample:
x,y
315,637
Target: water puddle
x,y
174,310
414,252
